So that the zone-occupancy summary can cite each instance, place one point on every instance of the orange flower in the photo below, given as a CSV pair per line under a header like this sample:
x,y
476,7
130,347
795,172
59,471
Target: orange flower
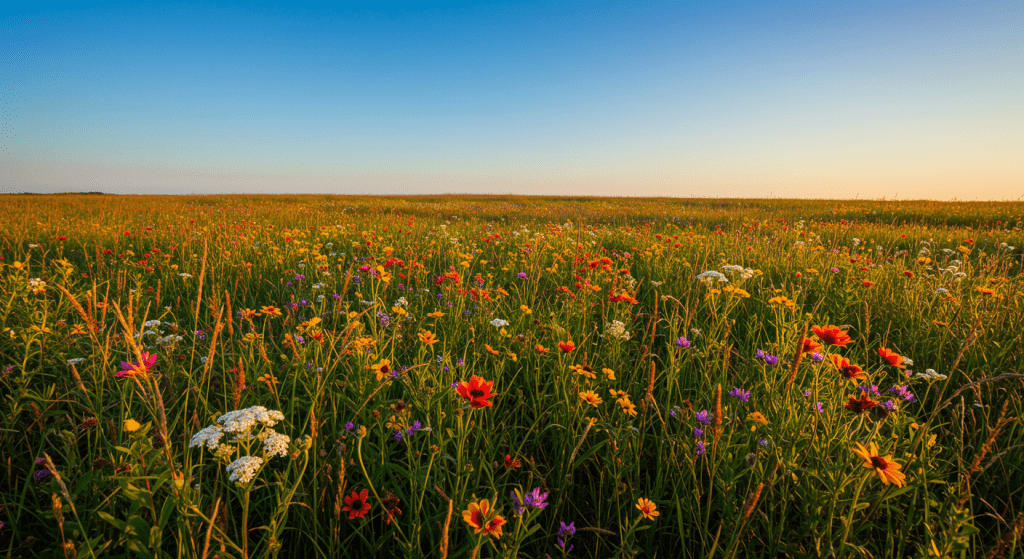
x,y
832,335
810,345
647,508
493,527
860,406
477,391
566,347
884,466
382,369
846,369
427,337
591,397
270,311
892,358
491,350
476,515
541,350
584,370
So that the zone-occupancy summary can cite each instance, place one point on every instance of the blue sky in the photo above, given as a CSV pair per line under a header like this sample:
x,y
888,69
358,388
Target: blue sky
x,y
746,99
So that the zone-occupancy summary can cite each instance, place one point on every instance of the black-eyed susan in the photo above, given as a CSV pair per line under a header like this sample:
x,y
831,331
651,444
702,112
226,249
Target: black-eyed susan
x,y
647,508
590,397
884,466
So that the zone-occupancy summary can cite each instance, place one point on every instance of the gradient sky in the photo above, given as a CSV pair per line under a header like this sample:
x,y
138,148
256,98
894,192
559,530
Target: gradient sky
x,y
740,99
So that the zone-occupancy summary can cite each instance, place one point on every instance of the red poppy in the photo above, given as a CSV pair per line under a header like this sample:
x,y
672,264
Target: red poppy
x,y
566,346
357,505
832,335
862,405
868,283
477,391
892,358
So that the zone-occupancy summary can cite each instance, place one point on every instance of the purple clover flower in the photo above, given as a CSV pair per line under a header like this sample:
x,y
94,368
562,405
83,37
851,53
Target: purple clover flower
x,y
682,342
768,359
522,275
350,426
701,449
819,407
704,416
698,432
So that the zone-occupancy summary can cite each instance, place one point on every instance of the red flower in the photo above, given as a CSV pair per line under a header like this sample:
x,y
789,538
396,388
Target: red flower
x,y
892,358
810,345
510,463
832,335
862,405
566,346
868,283
357,505
846,369
477,391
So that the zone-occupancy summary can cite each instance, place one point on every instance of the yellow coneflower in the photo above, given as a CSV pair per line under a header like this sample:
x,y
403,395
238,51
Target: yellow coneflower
x,y
591,397
647,508
382,369
887,470
584,370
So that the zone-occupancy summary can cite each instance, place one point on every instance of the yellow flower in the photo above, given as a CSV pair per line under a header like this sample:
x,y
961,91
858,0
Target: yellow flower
x,y
427,337
525,309
436,314
608,373
884,466
647,508
382,369
130,426
627,406
591,397
756,417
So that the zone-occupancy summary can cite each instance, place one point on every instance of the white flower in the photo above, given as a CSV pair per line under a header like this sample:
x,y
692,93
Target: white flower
x,y
499,323
276,443
151,323
908,361
244,469
76,360
941,291
617,330
712,275
209,436
401,302
185,275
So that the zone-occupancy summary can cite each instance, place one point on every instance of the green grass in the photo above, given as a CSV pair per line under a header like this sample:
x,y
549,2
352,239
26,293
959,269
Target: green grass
x,y
789,485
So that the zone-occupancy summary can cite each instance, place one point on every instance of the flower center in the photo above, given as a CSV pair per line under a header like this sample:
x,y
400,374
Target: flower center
x,y
879,462
357,504
476,393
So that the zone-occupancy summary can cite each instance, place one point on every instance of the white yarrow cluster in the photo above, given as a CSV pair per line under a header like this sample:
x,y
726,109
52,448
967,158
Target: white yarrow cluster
x,y
240,421
208,437
930,374
617,330
276,443
745,273
244,469
499,323
711,276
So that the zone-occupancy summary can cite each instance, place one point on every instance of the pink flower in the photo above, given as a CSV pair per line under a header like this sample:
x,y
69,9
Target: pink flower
x,y
135,369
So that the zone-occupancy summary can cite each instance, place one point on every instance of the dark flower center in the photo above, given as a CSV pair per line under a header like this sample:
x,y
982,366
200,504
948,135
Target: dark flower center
x,y
385,369
476,393
879,462
357,504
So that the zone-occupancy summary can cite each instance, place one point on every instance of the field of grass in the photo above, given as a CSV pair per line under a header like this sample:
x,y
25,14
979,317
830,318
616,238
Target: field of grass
x,y
510,377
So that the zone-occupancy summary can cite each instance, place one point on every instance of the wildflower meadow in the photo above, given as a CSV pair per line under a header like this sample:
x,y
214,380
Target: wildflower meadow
x,y
455,377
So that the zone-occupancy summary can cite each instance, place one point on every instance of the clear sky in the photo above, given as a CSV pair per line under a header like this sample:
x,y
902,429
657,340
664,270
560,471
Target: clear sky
x,y
907,99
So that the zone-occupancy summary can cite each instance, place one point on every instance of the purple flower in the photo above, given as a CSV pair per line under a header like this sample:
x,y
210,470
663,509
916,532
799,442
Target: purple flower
x,y
398,435
903,392
299,277
40,475
768,359
440,295
384,319
870,389
700,448
682,342
564,531
522,275
764,442
40,461
517,505
698,432
889,405
817,357
350,426
301,340
536,499
807,393
416,426
819,407
743,395
835,270
704,417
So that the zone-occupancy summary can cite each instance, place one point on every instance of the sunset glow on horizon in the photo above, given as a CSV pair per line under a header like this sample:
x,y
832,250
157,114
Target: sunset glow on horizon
x,y
915,100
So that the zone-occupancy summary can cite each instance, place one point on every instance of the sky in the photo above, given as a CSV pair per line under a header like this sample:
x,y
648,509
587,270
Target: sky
x,y
867,99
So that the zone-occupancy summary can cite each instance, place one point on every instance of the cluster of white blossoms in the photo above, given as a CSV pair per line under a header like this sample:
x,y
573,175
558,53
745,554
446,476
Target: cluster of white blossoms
x,y
499,323
401,302
712,276
745,273
244,469
930,374
37,285
241,424
616,330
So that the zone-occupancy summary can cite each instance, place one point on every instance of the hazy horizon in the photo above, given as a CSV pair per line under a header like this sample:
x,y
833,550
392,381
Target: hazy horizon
x,y
916,100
